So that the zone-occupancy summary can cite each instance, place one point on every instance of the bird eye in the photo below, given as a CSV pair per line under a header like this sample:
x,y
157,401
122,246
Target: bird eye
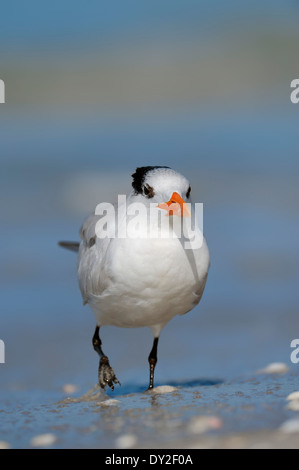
x,y
188,192
148,191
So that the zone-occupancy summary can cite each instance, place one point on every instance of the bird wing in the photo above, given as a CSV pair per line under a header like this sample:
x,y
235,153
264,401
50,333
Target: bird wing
x,y
91,260
73,246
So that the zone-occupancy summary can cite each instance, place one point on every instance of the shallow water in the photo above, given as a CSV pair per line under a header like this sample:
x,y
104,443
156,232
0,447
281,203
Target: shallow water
x,y
246,320
181,418
200,93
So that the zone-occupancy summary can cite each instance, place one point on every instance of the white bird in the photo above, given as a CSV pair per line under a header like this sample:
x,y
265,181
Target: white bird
x,y
142,278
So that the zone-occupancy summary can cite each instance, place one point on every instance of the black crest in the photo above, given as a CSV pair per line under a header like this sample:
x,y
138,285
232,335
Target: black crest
x,y
139,176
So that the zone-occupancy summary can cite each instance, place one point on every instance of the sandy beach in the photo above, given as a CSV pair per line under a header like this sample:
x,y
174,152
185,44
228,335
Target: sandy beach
x,y
251,412
90,95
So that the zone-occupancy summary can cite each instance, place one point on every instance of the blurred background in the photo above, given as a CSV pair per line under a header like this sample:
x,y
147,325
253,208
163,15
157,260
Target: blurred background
x,y
95,90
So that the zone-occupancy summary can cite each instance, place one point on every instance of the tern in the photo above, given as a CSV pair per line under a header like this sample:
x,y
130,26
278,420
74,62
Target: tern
x,y
146,276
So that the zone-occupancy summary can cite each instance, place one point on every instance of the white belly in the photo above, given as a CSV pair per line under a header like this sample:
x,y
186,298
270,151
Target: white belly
x,y
148,282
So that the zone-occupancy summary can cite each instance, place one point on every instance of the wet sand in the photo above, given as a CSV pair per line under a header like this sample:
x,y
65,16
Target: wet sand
x,y
65,147
247,412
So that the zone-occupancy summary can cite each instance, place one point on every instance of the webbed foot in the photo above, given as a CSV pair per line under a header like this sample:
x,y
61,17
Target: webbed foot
x,y
106,375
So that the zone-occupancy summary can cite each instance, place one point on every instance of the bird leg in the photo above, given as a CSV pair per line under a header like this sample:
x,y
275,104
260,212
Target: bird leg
x,y
106,374
152,359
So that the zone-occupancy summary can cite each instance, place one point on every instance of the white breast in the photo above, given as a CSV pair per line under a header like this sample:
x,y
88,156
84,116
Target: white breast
x,y
131,282
149,282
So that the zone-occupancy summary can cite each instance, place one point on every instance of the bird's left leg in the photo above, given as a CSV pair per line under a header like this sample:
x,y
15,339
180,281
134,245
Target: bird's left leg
x,y
152,359
106,375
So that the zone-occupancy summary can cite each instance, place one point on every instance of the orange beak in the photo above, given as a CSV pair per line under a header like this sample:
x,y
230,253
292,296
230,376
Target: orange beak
x,y
176,206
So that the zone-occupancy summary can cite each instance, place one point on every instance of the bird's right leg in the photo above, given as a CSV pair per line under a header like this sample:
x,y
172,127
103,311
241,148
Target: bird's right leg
x,y
106,374
152,360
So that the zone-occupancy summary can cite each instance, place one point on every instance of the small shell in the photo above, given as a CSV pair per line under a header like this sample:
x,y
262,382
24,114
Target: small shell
x,y
4,445
289,426
293,396
69,389
164,389
293,405
109,402
126,441
275,368
201,424
43,440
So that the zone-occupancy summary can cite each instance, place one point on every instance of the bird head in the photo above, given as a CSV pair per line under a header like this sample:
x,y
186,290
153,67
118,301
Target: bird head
x,y
164,186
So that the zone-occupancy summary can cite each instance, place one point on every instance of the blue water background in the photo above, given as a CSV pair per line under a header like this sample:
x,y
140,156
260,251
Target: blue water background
x,y
202,87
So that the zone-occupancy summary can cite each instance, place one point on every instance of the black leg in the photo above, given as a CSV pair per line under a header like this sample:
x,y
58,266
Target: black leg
x,y
106,374
97,343
152,359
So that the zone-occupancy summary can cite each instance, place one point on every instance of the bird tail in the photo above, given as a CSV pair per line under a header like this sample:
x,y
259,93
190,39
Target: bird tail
x,y
73,246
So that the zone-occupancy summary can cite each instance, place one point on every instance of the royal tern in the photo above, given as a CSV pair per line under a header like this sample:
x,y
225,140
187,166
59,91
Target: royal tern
x,y
135,279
